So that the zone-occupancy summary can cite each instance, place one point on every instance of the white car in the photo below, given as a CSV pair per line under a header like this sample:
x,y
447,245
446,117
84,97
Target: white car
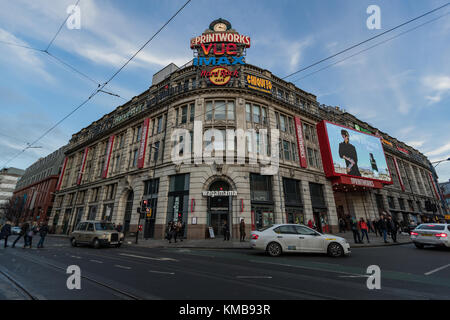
x,y
434,234
282,238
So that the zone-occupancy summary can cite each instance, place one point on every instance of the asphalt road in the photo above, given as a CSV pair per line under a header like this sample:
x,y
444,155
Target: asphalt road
x,y
143,273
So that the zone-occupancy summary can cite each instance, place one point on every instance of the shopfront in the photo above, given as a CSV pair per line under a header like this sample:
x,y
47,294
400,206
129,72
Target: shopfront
x,y
319,207
293,201
151,189
178,199
262,201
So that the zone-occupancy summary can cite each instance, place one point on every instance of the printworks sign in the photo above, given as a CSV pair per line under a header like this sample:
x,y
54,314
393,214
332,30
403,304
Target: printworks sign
x,y
220,50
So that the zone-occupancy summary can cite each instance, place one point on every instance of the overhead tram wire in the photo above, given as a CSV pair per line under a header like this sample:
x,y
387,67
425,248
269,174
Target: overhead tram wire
x,y
365,41
100,89
371,47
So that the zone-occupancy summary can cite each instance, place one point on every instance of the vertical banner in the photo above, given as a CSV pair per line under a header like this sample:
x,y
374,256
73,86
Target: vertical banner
x,y
434,185
300,143
398,174
143,145
108,156
61,175
83,164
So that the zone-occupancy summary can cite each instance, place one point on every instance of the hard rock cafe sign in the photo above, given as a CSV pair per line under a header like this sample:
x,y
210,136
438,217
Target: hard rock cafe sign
x,y
220,51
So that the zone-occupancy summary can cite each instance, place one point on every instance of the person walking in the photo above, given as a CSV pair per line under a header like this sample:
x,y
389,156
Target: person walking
x,y
5,232
354,226
382,223
364,230
180,234
23,233
119,228
310,224
31,233
173,231
43,231
242,230
226,231
168,231
369,225
341,225
393,229
375,227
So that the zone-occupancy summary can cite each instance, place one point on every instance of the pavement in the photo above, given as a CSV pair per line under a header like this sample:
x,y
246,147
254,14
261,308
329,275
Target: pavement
x,y
219,243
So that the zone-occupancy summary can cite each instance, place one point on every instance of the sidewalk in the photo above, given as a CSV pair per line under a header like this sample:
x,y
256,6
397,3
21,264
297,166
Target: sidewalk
x,y
374,240
235,244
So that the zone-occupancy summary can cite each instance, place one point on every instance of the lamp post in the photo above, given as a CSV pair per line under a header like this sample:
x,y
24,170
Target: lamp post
x,y
439,162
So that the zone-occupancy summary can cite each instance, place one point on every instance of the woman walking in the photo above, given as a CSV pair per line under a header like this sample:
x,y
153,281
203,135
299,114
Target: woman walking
x,y
364,230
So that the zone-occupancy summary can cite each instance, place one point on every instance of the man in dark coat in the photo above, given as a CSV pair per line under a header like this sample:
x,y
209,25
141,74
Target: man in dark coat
x,y
43,230
226,231
6,232
347,151
23,232
392,228
355,231
382,224
242,230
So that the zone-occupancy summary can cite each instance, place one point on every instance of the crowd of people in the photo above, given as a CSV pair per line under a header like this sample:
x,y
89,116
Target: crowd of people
x,y
28,230
384,226
175,230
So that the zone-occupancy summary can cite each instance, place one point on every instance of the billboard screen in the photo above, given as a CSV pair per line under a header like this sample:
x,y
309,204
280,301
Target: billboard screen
x,y
349,152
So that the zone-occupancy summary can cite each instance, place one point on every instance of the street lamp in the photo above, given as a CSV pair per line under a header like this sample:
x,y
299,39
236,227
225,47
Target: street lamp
x,y
440,161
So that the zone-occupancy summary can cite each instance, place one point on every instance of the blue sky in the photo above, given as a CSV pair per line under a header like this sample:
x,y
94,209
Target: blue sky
x,y
401,87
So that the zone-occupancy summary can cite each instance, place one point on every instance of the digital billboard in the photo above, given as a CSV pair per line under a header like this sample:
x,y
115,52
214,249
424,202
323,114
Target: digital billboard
x,y
346,151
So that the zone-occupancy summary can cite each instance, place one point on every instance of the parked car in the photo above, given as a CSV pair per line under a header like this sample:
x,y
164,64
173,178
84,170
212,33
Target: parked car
x,y
433,234
96,234
15,230
286,238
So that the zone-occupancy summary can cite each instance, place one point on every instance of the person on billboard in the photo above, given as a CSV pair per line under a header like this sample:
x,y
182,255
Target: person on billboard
x,y
347,151
373,163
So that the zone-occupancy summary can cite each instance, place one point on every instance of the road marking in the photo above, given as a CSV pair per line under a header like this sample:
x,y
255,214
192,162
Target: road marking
x,y
254,277
77,257
122,267
149,258
96,261
360,276
161,272
436,270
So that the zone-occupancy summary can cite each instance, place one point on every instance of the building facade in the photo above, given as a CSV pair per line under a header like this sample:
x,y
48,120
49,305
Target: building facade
x,y
8,181
215,141
35,192
445,190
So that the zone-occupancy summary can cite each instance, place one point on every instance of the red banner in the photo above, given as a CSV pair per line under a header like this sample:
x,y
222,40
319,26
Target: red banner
x,y
398,174
300,143
108,156
143,145
61,175
83,163
434,185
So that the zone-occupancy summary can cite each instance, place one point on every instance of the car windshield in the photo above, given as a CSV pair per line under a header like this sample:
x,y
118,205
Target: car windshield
x,y
431,227
104,226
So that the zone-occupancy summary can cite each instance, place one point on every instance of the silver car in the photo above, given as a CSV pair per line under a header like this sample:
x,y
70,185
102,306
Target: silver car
x,y
96,234
433,234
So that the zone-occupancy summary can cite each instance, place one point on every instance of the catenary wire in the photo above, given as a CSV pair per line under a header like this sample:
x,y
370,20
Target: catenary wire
x,y
371,47
365,41
96,91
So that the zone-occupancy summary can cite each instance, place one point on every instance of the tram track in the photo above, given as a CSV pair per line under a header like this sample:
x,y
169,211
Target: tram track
x,y
18,286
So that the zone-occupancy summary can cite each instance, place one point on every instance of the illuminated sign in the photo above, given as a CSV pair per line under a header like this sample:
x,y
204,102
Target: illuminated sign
x,y
347,152
220,37
213,61
357,127
259,84
403,150
219,76
387,142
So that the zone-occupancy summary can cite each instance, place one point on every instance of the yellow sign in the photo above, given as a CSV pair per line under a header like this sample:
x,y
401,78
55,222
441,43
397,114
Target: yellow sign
x,y
259,84
387,142
447,217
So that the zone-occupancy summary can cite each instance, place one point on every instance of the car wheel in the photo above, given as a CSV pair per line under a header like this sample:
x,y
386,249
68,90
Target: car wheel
x,y
96,243
73,242
274,249
419,245
335,250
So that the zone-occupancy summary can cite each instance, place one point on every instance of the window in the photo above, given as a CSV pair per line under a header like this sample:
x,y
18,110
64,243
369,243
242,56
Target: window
x,y
231,110
138,134
401,203
310,157
220,110
305,231
282,123
256,114
209,112
135,157
264,115
184,111
286,229
192,112
248,112
90,227
287,150
261,187
391,202
156,151
160,124
151,187
292,192
82,226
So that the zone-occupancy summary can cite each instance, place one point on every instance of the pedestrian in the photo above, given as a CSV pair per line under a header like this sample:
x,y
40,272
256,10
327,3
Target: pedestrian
x,y
383,227
375,227
310,224
226,231
369,225
119,228
341,225
173,231
393,228
355,231
5,232
43,230
242,230
23,233
168,231
180,233
364,230
31,233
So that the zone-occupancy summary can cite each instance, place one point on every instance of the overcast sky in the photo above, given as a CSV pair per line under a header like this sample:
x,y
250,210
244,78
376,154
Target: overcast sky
x,y
401,87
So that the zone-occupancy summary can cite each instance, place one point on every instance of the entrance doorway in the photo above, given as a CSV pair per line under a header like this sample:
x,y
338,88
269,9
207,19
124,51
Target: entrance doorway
x,y
219,208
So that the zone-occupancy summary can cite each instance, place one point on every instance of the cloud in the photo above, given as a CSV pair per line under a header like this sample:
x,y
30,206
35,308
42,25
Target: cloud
x,y
438,86
439,151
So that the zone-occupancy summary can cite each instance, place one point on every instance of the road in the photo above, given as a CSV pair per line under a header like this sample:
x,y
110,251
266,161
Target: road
x,y
174,273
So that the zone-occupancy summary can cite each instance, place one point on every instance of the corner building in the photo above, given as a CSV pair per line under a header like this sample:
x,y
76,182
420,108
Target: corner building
x,y
125,157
